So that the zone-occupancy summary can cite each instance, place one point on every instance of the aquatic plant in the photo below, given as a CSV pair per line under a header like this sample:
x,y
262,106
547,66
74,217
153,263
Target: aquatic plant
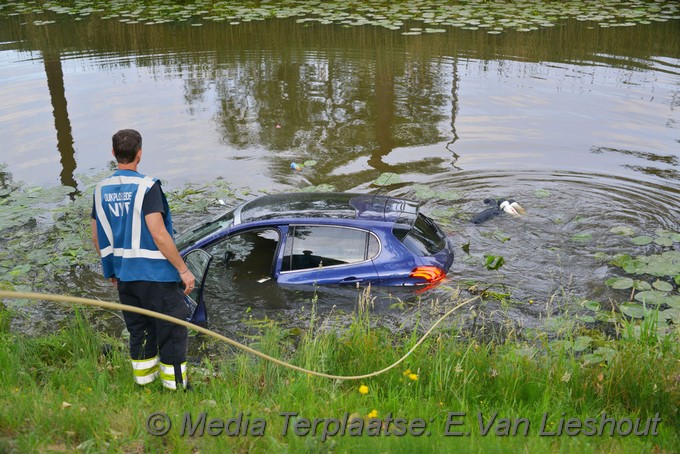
x,y
655,288
386,179
412,17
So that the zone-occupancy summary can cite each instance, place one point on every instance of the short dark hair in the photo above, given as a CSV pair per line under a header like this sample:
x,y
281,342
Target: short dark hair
x,y
126,144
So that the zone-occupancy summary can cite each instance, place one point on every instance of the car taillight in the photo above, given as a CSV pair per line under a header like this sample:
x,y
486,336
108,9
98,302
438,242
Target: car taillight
x,y
431,274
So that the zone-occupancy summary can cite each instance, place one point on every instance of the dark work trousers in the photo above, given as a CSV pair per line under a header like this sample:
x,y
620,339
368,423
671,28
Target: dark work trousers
x,y
151,336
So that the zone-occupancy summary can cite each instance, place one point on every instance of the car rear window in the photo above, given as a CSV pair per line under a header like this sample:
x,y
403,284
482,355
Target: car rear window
x,y
424,237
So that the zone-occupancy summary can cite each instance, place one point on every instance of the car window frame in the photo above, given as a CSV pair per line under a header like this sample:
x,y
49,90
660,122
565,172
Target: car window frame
x,y
281,230
291,228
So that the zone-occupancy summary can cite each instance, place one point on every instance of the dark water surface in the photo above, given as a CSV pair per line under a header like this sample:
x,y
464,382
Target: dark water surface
x,y
579,124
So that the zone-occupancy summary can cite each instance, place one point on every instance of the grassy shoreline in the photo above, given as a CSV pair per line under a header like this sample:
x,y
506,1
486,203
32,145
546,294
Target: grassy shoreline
x,y
64,394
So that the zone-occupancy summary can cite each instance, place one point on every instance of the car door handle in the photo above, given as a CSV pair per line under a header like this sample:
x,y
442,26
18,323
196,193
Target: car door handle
x,y
351,280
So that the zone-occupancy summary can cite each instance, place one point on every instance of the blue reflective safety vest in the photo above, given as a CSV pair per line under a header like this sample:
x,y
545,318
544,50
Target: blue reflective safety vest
x,y
126,246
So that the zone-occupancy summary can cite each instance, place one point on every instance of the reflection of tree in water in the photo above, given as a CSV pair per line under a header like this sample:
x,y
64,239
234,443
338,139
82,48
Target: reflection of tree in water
x,y
55,84
454,113
345,97
51,49
334,109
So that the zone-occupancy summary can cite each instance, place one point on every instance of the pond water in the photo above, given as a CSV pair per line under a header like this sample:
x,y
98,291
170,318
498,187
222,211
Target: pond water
x,y
578,123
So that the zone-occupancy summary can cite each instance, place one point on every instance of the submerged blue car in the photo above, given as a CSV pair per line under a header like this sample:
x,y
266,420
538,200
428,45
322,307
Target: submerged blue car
x,y
319,238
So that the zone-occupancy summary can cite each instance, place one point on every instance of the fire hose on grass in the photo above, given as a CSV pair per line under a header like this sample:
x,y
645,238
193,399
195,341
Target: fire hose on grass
x,y
200,329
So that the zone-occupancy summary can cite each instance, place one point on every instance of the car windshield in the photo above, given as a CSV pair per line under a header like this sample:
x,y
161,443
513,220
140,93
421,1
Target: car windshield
x,y
202,230
424,238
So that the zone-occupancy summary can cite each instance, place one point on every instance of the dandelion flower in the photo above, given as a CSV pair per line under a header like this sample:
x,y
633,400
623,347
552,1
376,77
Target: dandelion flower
x,y
407,372
413,377
363,389
373,414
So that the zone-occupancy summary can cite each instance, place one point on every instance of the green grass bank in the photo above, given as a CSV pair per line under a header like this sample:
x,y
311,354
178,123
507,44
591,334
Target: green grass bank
x,y
62,393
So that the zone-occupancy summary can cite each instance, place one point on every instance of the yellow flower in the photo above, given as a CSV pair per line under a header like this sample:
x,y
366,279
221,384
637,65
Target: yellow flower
x,y
407,372
413,377
363,389
373,414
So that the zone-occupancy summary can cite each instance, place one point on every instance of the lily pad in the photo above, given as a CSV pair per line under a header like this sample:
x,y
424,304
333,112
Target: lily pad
x,y
671,255
423,192
324,187
666,264
663,232
392,15
600,355
633,310
592,305
662,286
501,236
386,179
663,241
622,230
582,343
606,317
442,214
620,283
651,297
309,163
670,315
642,285
601,256
621,260
642,240
493,262
450,195
673,301
582,237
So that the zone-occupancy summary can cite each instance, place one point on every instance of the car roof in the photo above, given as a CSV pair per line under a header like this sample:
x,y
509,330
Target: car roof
x,y
339,205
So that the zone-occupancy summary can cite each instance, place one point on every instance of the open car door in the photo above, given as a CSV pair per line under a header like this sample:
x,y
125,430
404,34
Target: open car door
x,y
198,262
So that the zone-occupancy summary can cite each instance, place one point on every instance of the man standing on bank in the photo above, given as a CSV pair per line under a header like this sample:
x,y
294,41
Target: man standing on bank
x,y
132,231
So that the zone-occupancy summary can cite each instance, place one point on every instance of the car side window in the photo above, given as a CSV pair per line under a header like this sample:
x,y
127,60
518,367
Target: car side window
x,y
322,246
247,256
